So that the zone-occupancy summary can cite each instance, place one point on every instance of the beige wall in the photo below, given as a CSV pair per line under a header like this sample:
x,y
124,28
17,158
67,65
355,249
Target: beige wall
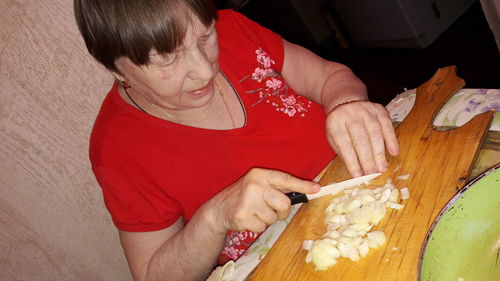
x,y
53,224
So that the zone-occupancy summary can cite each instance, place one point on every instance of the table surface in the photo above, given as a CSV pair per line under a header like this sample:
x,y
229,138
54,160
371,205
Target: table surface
x,y
422,146
458,110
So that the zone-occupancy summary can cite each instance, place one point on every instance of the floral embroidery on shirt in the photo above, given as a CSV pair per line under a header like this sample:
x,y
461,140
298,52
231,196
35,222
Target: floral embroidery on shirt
x,y
237,243
274,89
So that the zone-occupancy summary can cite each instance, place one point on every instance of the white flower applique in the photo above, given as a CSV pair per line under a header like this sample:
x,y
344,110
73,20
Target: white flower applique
x,y
274,89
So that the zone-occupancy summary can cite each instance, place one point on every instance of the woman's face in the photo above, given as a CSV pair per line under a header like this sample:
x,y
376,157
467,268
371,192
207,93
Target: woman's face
x,y
180,80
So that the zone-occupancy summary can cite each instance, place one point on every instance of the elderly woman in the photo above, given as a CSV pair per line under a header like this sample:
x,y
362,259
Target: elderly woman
x,y
212,118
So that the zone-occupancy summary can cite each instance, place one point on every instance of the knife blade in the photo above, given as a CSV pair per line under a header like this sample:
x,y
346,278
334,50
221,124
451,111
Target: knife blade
x,y
331,189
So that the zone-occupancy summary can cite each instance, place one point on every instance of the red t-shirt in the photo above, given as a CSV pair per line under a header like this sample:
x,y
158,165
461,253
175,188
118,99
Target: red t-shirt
x,y
152,171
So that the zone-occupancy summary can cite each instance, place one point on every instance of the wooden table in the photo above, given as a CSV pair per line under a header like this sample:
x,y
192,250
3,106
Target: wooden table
x,y
439,164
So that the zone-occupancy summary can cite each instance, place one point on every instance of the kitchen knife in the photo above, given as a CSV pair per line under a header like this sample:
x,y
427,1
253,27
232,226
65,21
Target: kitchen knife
x,y
331,189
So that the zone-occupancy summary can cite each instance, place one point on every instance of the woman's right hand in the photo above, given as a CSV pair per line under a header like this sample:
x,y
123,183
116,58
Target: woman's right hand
x,y
256,200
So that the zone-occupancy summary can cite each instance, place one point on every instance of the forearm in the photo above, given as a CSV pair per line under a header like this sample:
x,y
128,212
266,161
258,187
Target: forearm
x,y
190,254
341,86
325,82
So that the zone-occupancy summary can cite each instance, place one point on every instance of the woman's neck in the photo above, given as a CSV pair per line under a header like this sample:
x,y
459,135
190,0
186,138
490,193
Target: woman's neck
x,y
224,111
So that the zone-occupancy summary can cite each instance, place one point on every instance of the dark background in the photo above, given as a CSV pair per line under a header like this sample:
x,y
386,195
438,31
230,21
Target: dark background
x,y
468,43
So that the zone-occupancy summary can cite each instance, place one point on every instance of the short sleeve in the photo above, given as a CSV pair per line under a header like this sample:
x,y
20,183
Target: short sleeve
x,y
232,22
135,204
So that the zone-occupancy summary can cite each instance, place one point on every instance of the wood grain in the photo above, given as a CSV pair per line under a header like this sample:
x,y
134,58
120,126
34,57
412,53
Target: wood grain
x,y
438,162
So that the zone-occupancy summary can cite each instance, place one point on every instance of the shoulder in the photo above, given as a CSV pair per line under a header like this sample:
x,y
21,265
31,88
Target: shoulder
x,y
117,130
232,24
227,18
239,36
236,24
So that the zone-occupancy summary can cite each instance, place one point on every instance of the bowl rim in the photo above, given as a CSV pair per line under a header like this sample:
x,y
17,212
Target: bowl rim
x,y
444,210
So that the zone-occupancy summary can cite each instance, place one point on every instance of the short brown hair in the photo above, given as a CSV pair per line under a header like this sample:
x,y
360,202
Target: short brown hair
x,y
132,28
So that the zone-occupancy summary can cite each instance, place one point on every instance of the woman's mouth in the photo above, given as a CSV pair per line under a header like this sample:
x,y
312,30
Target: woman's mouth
x,y
203,91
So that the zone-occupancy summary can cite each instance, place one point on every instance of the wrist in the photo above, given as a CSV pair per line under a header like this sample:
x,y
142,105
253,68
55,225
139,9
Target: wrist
x,y
211,215
331,109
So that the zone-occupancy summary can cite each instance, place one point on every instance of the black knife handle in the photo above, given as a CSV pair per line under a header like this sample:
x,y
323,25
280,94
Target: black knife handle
x,y
297,197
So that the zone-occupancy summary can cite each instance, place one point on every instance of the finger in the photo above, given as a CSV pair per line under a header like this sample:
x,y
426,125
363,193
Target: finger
x,y
267,215
377,143
279,203
253,223
346,150
363,147
286,183
390,138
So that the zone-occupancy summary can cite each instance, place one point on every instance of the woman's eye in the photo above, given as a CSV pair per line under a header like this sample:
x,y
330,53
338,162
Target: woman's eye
x,y
167,59
208,35
205,37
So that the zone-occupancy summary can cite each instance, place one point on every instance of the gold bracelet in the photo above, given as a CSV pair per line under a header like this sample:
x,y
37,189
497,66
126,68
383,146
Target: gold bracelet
x,y
344,103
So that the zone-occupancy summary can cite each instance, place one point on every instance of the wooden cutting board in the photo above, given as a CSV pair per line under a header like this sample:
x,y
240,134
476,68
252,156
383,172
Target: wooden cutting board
x,y
438,163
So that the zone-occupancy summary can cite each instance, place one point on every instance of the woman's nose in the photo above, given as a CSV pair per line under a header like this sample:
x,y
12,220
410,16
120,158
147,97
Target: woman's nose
x,y
200,67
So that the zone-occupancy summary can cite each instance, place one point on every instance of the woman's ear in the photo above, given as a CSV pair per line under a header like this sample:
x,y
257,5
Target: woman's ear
x,y
118,76
121,80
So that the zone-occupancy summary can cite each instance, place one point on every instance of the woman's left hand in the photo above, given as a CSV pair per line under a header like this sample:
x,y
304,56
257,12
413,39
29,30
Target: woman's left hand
x,y
359,132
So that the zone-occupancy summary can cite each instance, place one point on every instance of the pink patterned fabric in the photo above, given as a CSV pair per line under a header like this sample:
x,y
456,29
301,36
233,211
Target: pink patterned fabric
x,y
275,90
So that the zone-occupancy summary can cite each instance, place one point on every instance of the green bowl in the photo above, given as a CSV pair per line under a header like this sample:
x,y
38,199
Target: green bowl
x,y
464,240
